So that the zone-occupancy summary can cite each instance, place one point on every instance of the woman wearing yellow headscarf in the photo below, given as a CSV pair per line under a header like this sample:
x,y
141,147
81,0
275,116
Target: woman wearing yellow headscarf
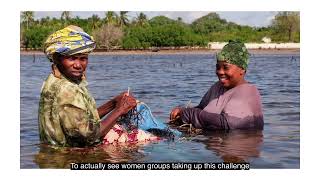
x,y
67,112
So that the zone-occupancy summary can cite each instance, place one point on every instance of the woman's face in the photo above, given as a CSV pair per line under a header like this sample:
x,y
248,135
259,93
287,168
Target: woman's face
x,y
73,66
229,75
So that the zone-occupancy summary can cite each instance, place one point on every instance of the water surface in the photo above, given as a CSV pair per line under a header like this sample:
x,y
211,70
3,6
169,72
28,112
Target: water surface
x,y
162,82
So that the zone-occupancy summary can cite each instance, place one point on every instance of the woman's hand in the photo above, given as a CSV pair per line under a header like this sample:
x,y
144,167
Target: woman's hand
x,y
175,115
122,104
119,97
125,103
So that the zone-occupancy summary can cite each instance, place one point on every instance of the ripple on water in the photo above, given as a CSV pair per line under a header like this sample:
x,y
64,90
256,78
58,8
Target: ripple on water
x,y
164,81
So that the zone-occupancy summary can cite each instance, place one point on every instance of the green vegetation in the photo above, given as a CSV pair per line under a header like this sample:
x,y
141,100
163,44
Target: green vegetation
x,y
286,26
117,32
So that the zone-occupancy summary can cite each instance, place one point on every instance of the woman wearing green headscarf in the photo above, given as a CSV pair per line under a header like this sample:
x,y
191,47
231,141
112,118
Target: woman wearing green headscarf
x,y
230,103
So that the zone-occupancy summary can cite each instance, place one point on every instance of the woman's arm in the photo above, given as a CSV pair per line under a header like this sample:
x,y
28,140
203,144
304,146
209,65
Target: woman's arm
x,y
122,107
204,120
175,115
107,107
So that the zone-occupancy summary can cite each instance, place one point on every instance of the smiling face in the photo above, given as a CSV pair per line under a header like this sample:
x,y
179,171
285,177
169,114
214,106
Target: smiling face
x,y
229,75
73,67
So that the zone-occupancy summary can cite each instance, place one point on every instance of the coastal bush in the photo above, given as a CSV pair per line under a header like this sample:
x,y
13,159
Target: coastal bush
x,y
161,31
35,36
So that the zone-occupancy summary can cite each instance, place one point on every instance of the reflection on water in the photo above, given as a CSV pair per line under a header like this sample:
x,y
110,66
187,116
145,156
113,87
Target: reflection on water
x,y
58,157
162,82
235,146
232,146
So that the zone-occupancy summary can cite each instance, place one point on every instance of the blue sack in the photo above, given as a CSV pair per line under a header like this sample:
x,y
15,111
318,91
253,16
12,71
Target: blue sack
x,y
143,119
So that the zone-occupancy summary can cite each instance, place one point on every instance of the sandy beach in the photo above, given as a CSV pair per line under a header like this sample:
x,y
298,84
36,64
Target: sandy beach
x,y
181,51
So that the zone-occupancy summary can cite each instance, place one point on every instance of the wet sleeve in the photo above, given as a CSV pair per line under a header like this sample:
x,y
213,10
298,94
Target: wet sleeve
x,y
79,127
204,120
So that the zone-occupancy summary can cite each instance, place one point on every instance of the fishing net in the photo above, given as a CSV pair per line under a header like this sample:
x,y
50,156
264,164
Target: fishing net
x,y
141,118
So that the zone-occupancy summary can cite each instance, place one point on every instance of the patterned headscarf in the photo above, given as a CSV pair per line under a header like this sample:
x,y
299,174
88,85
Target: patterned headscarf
x,y
68,41
234,52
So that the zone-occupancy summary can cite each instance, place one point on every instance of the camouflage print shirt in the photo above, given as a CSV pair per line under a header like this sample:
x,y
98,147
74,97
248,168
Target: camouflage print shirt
x,y
67,113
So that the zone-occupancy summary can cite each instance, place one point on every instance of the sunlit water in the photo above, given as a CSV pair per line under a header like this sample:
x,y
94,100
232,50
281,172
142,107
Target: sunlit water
x,y
164,81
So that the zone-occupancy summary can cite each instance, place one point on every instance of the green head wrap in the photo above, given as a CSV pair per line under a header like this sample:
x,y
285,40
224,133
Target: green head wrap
x,y
234,52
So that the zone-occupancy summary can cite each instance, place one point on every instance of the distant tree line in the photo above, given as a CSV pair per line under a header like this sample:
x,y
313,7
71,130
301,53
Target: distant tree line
x,y
116,31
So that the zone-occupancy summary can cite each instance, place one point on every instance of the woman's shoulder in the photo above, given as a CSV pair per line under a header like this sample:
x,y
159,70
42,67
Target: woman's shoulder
x,y
57,85
215,88
248,85
247,88
216,85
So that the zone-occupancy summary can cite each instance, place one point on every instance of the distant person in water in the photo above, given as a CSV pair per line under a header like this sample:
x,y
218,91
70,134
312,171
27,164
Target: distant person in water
x,y
67,112
230,103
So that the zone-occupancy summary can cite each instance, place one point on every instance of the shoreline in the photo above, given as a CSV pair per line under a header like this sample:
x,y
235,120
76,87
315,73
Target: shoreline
x,y
172,52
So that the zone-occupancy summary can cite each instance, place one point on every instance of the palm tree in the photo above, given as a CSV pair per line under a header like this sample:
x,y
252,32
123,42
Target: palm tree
x,y
27,17
66,15
45,20
111,17
95,21
123,19
142,19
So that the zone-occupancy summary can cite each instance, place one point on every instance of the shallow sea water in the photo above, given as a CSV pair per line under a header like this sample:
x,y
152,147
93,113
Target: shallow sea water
x,y
162,82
